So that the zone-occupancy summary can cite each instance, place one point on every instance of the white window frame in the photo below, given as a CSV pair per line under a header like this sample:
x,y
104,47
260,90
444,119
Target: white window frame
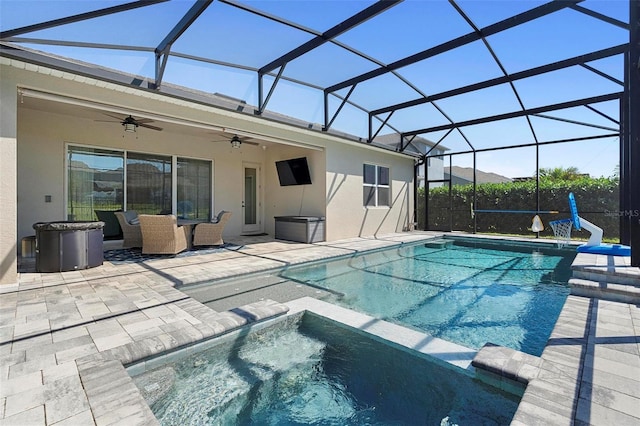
x,y
377,185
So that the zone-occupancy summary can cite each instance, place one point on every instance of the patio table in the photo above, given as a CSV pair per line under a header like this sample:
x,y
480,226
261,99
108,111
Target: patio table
x,y
189,225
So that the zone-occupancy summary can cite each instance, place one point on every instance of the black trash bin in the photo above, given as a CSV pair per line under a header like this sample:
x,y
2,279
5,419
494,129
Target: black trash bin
x,y
68,246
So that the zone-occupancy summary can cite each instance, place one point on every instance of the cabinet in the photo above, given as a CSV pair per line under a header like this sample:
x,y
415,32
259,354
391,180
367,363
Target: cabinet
x,y
303,229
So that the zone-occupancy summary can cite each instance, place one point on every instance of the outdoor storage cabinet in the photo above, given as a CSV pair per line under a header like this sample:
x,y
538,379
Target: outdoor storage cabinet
x,y
68,246
303,229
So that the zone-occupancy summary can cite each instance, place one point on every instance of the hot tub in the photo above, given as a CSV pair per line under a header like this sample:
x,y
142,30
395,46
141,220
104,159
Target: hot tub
x,y
68,246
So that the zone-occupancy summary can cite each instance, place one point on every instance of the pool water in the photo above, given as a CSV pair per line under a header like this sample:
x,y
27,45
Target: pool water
x,y
465,291
309,371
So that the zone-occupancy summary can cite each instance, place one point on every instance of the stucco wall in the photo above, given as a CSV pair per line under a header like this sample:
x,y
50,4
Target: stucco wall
x,y
345,188
42,137
8,186
298,200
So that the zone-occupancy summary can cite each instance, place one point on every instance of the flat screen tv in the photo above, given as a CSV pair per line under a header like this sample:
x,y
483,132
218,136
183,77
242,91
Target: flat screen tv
x,y
293,172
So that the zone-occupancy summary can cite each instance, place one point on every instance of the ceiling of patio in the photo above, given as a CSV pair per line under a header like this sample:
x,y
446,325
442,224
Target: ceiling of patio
x,y
437,69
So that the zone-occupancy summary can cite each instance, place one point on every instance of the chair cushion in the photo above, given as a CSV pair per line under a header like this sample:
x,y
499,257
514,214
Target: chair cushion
x,y
130,215
111,224
219,217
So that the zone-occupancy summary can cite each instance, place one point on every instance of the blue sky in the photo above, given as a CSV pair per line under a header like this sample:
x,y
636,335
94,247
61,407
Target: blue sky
x,y
227,34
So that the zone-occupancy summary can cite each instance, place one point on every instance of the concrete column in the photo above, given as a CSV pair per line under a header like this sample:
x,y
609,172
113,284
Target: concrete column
x,y
8,182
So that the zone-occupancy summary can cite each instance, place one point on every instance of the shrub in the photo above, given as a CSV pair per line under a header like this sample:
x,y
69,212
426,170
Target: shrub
x,y
597,200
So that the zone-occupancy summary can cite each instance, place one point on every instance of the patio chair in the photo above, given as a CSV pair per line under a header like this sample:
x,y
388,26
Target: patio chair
x,y
111,230
162,235
131,233
210,233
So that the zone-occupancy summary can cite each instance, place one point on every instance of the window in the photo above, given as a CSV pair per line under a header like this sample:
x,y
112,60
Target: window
x,y
96,181
376,190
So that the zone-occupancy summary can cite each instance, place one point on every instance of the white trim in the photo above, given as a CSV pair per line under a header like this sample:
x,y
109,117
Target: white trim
x,y
112,108
377,185
259,226
37,94
174,184
25,64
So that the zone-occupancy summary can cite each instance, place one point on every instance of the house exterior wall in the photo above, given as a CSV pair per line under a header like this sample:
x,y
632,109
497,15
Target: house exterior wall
x,y
346,215
8,178
298,200
34,144
42,148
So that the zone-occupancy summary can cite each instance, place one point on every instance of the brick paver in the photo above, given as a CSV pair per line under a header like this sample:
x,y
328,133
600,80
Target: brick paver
x,y
64,337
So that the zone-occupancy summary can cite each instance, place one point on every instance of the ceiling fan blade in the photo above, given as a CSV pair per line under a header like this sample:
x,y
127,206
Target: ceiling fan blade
x,y
148,126
143,120
242,142
117,117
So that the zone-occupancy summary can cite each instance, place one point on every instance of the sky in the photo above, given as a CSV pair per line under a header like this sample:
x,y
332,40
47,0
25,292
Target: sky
x,y
229,35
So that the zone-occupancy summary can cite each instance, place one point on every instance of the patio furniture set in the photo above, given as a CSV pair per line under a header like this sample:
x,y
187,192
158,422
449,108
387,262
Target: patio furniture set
x,y
166,234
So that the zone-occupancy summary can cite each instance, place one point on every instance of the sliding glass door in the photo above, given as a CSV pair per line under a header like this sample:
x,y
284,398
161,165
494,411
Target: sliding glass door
x,y
148,183
194,189
96,181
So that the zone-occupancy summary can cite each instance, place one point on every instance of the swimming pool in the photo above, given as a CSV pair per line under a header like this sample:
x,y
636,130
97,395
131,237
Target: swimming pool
x,y
307,370
466,290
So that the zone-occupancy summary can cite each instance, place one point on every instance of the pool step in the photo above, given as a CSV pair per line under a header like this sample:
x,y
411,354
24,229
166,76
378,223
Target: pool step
x,y
603,268
599,275
611,291
438,244
605,277
506,368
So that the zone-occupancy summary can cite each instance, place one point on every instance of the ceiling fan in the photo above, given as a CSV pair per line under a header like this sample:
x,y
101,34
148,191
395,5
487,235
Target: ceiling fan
x,y
130,124
237,141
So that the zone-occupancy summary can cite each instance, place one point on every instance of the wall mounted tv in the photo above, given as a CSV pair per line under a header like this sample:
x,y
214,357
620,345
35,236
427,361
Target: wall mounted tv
x,y
293,172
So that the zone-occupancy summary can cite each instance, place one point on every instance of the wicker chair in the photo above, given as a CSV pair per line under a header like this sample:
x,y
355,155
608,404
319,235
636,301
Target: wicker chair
x,y
210,233
131,233
162,235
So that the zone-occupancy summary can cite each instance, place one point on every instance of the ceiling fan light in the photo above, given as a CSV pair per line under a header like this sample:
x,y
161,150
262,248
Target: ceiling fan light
x,y
235,142
129,127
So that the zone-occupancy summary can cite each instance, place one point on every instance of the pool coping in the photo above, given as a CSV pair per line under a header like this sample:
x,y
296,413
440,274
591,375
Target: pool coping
x,y
106,378
431,349
45,388
446,353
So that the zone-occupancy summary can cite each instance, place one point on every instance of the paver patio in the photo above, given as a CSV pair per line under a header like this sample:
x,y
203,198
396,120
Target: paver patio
x,y
64,335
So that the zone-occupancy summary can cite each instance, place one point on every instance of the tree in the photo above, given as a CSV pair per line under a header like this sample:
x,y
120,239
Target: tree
x,y
559,173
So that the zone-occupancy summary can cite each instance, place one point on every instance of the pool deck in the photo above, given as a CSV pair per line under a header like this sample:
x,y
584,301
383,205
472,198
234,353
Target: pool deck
x,y
64,337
